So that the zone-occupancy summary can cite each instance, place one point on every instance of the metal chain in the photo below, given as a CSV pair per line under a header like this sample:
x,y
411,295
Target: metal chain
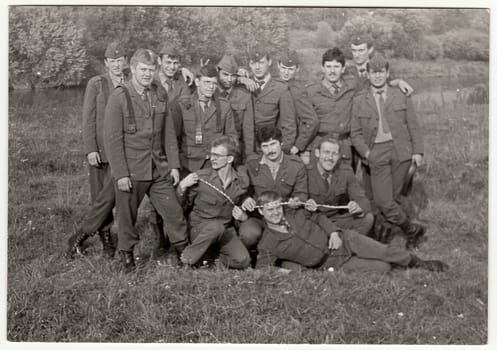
x,y
218,190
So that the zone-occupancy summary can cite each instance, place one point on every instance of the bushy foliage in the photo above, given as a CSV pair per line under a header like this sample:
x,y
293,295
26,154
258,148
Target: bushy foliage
x,y
466,44
45,50
325,36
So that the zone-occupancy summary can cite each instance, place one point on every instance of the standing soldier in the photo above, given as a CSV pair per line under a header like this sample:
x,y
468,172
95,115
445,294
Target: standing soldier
x,y
307,120
201,118
273,101
141,145
386,134
100,217
332,100
241,103
171,76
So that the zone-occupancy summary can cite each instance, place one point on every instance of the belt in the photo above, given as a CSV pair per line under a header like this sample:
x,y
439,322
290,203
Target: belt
x,y
336,135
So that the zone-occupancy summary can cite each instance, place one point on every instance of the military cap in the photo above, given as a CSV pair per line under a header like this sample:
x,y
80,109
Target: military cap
x,y
115,50
169,49
209,70
362,39
228,64
377,63
257,53
290,58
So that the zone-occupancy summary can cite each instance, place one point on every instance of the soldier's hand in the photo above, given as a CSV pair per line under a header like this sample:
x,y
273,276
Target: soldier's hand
x,y
190,180
354,208
242,72
311,205
294,202
294,150
403,86
175,176
335,241
124,184
187,75
418,159
239,214
250,84
249,204
94,159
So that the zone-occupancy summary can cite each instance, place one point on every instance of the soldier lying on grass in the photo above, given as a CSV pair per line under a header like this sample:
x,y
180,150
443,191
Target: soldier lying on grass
x,y
292,240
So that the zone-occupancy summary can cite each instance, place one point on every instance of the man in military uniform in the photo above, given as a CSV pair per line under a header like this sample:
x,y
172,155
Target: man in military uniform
x,y
201,118
171,76
273,170
333,182
294,241
362,49
387,136
272,100
307,120
141,146
212,214
99,218
332,100
241,103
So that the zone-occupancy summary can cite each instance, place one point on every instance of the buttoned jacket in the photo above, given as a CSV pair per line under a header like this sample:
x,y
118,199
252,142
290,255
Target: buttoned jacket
x,y
401,119
140,137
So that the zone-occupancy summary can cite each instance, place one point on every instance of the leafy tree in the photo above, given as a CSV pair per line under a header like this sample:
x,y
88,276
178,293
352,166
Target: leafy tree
x,y
45,50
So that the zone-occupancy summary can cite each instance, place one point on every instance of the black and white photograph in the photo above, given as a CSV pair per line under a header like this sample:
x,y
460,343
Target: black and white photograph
x,y
264,174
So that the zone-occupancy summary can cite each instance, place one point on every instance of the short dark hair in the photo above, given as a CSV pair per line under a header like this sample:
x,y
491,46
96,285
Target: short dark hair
x,y
144,56
328,139
268,197
231,144
269,132
334,54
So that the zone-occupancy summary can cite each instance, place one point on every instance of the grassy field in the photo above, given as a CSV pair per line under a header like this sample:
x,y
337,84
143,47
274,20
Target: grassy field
x,y
87,300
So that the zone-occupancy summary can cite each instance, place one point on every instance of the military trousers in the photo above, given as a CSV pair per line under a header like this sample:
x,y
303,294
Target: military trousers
x,y
164,199
361,253
218,237
352,222
97,177
250,231
387,174
100,216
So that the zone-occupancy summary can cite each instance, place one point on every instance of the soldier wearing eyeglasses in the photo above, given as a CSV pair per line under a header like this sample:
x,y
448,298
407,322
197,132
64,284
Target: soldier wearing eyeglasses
x,y
212,216
200,119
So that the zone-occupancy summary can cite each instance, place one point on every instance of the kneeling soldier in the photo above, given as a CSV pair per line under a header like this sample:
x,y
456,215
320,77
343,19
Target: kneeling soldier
x,y
213,194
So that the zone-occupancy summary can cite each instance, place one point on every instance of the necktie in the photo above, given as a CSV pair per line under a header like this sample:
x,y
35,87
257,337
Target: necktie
x,y
326,177
169,85
259,86
381,103
362,72
203,104
335,88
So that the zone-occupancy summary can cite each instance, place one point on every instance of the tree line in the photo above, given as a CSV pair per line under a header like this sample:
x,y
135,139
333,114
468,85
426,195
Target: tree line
x,y
54,46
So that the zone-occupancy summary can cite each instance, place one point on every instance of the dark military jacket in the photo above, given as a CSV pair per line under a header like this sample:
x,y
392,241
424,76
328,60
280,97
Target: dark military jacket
x,y
333,111
343,188
207,203
179,87
242,105
291,179
97,93
307,119
401,118
139,137
274,106
187,114
305,243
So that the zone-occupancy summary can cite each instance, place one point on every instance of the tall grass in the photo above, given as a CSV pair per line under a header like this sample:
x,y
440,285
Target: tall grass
x,y
88,300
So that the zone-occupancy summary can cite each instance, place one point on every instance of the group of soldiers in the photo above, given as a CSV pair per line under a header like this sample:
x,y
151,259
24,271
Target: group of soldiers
x,y
245,169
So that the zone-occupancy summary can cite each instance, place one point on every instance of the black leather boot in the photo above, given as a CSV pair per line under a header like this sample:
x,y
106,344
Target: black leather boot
x,y
413,232
74,244
107,244
127,261
430,265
